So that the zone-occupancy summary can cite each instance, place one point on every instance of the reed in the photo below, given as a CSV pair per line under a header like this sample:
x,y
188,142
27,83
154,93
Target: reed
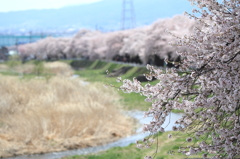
x,y
38,116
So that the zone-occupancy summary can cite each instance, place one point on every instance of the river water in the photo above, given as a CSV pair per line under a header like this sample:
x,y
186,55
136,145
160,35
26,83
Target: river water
x,y
120,143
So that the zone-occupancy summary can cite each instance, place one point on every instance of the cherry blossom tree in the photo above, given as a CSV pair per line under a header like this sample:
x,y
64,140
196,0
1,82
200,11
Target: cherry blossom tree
x,y
143,42
206,86
134,44
157,40
153,40
114,43
26,51
82,43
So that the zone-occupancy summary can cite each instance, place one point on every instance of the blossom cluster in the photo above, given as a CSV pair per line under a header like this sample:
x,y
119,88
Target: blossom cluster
x,y
206,84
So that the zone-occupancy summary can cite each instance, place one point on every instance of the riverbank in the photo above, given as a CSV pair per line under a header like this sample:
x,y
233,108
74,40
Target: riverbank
x,y
90,69
41,114
99,72
126,144
106,73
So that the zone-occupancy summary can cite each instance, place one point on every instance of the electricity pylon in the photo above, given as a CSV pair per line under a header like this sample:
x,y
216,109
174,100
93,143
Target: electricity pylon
x,y
128,15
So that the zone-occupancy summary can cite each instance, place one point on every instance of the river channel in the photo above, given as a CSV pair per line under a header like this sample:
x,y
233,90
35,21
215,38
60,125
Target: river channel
x,y
120,143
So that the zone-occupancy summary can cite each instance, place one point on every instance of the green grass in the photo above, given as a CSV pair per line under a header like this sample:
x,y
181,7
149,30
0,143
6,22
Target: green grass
x,y
131,152
96,72
129,100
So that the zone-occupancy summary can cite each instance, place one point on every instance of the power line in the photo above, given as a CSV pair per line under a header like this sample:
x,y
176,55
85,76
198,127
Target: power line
x,y
128,15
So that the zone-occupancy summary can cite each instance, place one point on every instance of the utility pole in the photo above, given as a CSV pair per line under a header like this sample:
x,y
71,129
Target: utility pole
x,y
128,15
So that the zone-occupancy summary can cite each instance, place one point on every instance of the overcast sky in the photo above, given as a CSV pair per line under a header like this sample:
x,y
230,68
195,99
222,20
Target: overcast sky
x,y
17,5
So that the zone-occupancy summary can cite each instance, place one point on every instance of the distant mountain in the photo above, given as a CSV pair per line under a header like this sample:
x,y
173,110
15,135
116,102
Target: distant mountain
x,y
104,15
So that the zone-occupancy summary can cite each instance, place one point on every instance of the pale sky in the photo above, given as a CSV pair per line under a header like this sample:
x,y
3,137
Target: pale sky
x,y
17,5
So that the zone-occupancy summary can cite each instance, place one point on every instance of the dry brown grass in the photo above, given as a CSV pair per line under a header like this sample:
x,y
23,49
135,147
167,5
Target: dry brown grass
x,y
3,67
24,69
38,116
58,68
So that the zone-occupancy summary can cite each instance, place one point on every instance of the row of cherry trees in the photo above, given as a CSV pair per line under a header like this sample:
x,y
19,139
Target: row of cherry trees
x,y
145,43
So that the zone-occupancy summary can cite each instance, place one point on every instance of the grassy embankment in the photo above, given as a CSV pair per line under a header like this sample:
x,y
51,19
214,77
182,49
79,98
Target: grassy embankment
x,y
163,147
95,71
44,110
